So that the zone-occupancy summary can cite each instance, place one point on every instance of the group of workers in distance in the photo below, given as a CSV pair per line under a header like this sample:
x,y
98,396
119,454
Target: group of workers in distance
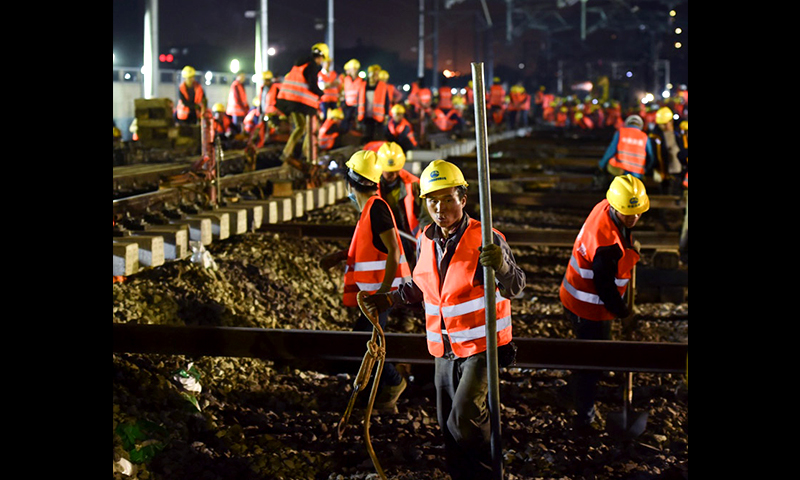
x,y
415,245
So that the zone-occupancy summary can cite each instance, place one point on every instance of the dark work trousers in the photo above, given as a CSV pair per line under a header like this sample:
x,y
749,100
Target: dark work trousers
x,y
584,382
389,375
463,414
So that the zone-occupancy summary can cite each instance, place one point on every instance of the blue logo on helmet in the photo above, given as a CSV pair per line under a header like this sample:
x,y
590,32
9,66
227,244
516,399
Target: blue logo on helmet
x,y
434,173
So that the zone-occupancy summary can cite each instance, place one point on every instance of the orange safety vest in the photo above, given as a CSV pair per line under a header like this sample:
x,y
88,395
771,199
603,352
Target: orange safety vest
x,y
577,291
331,93
327,139
194,100
497,95
366,265
408,178
351,88
268,102
425,97
520,101
250,120
458,303
402,130
223,126
631,150
444,121
237,100
379,108
445,97
295,89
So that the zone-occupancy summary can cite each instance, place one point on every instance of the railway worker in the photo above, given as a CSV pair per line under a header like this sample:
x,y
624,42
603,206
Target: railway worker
x,y
329,80
299,96
448,280
400,189
351,85
191,98
399,129
373,105
518,107
630,151
394,93
237,107
331,132
597,277
223,126
667,146
496,101
376,262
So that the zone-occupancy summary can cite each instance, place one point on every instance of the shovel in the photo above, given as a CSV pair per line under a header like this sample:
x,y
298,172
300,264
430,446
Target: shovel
x,y
628,424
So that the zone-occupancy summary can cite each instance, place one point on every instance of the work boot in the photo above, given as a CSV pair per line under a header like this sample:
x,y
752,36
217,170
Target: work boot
x,y
386,401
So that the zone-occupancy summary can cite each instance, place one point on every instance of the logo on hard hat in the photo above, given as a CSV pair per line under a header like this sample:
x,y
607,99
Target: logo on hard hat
x,y
390,162
434,173
634,201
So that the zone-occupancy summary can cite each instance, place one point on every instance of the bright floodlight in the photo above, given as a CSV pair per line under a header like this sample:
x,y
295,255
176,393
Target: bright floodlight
x,y
271,51
234,66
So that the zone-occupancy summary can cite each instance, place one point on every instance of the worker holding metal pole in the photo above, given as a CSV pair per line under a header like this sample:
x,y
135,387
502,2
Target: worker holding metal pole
x,y
452,264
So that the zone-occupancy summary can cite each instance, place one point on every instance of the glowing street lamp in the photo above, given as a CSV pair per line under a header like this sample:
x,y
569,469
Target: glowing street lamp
x,y
234,66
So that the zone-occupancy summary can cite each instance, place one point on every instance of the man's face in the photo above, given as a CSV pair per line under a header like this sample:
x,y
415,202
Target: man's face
x,y
390,176
444,207
398,117
629,220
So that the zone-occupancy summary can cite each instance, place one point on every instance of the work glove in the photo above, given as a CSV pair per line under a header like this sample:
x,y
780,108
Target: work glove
x,y
492,256
332,259
637,246
377,303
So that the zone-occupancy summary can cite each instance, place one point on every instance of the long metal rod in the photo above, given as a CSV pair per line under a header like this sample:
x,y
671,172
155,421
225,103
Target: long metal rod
x,y
490,293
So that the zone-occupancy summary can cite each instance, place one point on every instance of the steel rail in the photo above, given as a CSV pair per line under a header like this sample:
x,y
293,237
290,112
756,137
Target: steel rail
x,y
301,346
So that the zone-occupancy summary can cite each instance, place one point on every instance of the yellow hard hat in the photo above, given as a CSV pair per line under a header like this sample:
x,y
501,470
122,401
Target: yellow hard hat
x,y
398,109
218,107
188,72
267,75
684,125
383,75
391,157
627,195
352,64
365,163
440,174
374,68
336,113
663,115
320,49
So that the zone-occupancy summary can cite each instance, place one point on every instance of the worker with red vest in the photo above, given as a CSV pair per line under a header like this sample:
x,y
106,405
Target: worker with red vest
x,y
332,129
375,259
448,280
598,275
237,101
373,104
351,85
630,151
518,108
299,96
400,189
329,80
399,130
394,93
223,125
191,98
496,102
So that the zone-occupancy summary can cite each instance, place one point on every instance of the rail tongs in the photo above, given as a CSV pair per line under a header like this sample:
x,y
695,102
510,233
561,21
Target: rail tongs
x,y
376,350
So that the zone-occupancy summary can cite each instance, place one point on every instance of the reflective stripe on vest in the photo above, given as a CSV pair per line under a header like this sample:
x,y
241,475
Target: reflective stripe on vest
x,y
351,88
578,292
631,150
295,89
366,265
330,94
459,304
326,138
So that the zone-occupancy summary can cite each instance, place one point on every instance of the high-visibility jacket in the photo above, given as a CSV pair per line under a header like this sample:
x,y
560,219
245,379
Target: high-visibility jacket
x,y
408,179
399,131
445,97
459,303
520,101
366,265
295,89
330,94
237,100
497,95
578,292
379,107
267,101
328,133
251,120
631,150
425,97
351,87
189,100
222,125
445,121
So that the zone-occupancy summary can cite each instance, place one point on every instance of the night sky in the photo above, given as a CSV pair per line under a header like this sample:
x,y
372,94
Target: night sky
x,y
212,32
